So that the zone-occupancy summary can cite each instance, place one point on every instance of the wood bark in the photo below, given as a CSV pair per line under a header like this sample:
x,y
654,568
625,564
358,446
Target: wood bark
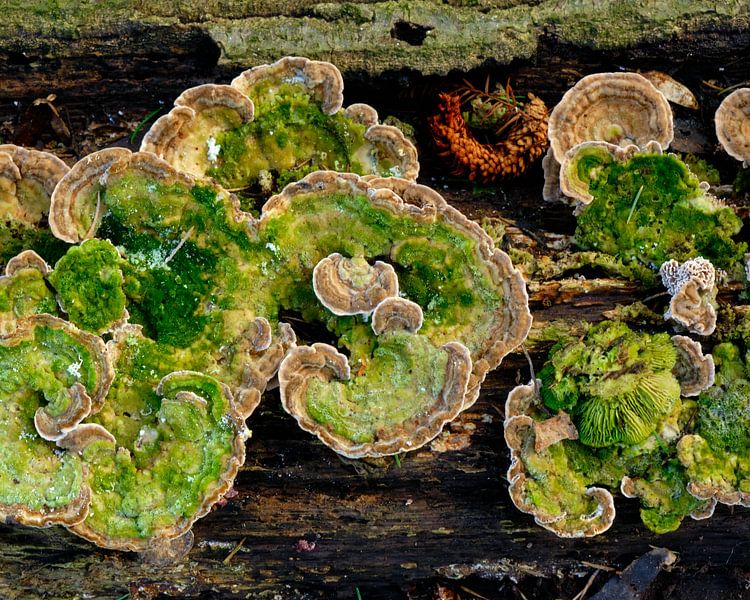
x,y
304,522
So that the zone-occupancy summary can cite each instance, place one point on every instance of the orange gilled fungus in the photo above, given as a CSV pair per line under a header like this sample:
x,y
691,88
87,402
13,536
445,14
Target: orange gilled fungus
x,y
522,139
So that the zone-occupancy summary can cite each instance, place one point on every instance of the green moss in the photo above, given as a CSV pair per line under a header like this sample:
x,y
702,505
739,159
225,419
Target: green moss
x,y
24,294
671,218
402,380
89,283
289,137
175,463
616,383
723,418
37,369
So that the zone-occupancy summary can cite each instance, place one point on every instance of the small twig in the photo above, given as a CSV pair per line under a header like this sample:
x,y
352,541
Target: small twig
x,y
580,595
473,593
97,215
598,566
234,551
632,208
655,296
531,366
184,239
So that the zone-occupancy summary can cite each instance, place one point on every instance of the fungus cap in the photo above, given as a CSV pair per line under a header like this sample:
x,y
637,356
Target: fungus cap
x,y
397,314
323,363
733,124
620,108
351,286
694,370
322,78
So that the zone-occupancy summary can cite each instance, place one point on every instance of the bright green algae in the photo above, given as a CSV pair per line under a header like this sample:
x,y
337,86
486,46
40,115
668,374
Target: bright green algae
x,y
608,364
672,217
617,384
290,136
88,281
405,376
186,254
37,367
181,455
22,294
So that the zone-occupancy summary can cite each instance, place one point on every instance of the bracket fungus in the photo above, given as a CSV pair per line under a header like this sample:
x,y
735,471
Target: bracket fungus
x,y
692,286
619,108
618,422
149,490
23,291
715,455
188,262
645,207
52,377
733,124
275,124
542,482
27,180
694,370
350,286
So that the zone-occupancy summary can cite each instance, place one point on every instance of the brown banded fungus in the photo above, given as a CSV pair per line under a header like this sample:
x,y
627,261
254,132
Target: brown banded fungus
x,y
350,286
27,180
23,291
693,369
619,108
542,480
51,377
397,314
692,286
273,125
733,124
408,392
673,90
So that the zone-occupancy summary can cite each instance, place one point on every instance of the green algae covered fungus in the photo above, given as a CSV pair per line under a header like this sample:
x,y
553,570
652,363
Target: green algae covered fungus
x,y
185,457
565,482
89,284
617,384
647,207
23,291
183,280
275,124
716,455
51,377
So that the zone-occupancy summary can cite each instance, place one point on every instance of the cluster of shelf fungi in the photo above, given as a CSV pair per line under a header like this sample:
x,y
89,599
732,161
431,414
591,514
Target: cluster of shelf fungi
x,y
130,367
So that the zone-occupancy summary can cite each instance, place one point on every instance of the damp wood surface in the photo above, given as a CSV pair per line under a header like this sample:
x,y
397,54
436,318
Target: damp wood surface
x,y
303,522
